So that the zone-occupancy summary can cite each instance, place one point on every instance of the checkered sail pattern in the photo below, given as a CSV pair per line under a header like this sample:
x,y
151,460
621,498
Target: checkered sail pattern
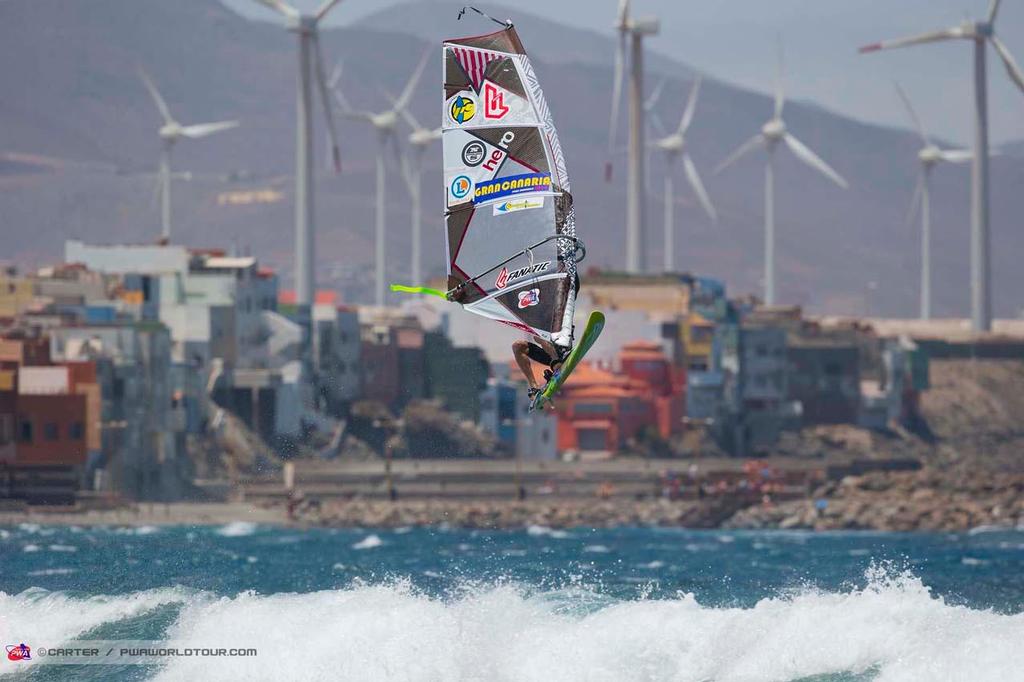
x,y
510,228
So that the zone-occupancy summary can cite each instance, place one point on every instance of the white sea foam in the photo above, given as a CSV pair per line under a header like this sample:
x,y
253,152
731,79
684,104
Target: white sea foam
x,y
146,530
369,542
541,531
63,548
894,630
30,548
596,549
51,571
237,529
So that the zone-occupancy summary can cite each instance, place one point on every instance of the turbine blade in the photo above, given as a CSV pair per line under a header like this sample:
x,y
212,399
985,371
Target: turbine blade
x,y
956,155
413,123
934,36
321,81
161,105
993,10
203,129
698,187
780,92
325,8
652,99
403,99
335,78
1011,66
741,151
620,58
281,8
804,153
913,114
691,107
656,123
623,16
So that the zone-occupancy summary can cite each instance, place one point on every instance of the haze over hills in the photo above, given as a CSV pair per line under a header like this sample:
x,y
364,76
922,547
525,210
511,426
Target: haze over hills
x,y
76,96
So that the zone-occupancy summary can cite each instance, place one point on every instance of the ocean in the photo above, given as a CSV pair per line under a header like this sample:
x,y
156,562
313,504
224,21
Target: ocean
x,y
535,604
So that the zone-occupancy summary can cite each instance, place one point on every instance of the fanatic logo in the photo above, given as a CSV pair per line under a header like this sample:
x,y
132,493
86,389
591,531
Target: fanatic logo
x,y
494,101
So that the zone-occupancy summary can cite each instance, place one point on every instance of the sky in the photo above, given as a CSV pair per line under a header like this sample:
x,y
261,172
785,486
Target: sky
x,y
734,41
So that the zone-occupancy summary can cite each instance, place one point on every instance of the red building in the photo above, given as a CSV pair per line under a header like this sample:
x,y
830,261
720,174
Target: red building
x,y
600,410
49,421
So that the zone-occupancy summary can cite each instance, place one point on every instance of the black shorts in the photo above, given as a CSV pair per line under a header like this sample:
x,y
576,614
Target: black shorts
x,y
538,354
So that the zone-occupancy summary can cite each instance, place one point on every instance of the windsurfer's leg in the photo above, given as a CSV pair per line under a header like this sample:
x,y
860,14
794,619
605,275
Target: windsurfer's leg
x,y
563,337
520,350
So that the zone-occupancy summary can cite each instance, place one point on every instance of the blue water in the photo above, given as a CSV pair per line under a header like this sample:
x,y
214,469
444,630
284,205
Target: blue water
x,y
438,604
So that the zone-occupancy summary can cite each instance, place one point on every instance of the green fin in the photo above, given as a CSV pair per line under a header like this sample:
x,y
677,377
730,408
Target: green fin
x,y
419,290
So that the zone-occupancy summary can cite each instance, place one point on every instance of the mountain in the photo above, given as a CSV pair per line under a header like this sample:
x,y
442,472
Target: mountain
x,y
78,144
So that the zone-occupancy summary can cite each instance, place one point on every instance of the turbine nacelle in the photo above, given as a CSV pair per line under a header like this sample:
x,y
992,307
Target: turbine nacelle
x,y
385,121
303,23
930,155
170,132
672,143
774,130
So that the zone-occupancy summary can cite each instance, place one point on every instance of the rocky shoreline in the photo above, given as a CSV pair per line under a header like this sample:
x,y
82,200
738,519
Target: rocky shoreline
x,y
926,500
510,514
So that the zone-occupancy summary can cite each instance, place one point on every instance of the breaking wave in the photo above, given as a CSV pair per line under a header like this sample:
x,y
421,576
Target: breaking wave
x,y
893,629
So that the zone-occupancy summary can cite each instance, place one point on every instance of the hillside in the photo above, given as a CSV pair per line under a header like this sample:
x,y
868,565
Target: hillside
x,y
79,99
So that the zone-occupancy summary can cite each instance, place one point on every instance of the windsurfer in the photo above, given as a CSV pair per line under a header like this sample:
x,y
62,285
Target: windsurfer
x,y
553,353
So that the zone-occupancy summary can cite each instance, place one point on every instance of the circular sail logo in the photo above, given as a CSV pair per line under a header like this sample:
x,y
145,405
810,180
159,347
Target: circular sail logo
x,y
461,187
463,109
473,153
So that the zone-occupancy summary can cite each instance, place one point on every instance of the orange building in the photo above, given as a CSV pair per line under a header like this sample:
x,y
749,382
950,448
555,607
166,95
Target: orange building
x,y
600,410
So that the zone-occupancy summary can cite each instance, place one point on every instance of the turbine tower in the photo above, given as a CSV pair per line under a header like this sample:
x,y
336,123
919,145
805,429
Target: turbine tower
x,y
170,132
929,155
385,122
635,29
419,139
980,33
773,132
674,146
310,68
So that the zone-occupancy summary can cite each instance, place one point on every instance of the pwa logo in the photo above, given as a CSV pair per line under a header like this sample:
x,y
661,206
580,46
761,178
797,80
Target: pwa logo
x,y
529,298
494,101
19,652
461,187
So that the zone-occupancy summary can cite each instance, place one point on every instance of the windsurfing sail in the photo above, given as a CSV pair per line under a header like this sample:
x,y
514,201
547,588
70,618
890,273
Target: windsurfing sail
x,y
511,236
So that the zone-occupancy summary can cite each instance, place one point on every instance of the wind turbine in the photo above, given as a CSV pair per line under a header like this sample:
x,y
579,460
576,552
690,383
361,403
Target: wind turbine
x,y
674,146
170,132
385,122
419,139
773,132
310,68
929,156
980,32
630,27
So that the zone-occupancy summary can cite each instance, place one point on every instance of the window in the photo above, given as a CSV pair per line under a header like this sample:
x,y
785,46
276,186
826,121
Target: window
x,y
50,431
593,408
76,431
25,431
6,428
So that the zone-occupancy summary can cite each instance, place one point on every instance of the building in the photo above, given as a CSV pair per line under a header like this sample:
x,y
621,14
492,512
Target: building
x,y
755,406
601,410
824,377
455,375
505,414
143,415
